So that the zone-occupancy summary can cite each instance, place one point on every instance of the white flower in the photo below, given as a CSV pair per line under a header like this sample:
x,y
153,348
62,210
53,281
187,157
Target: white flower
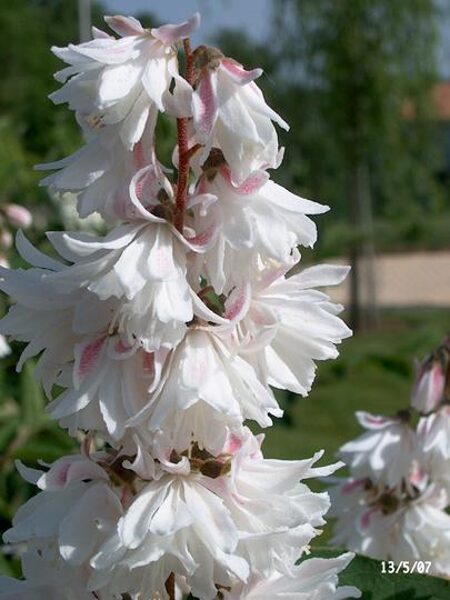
x,y
99,173
203,375
47,577
139,264
173,525
387,525
425,535
107,380
112,81
275,513
312,579
77,508
107,384
116,87
287,325
385,453
230,113
256,217
62,526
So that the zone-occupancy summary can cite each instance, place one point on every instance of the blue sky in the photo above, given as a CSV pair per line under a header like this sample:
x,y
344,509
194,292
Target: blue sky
x,y
253,16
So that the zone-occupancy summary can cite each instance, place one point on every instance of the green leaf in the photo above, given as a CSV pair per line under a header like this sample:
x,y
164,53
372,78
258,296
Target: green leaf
x,y
366,574
48,450
7,433
10,567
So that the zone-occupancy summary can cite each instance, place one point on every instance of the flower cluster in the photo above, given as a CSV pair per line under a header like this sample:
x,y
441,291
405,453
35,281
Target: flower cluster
x,y
164,335
395,503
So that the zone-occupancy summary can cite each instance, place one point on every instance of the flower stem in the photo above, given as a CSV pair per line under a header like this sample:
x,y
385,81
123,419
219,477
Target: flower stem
x,y
170,586
183,148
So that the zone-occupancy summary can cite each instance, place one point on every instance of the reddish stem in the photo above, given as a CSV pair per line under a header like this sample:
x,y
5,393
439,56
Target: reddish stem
x,y
170,586
184,154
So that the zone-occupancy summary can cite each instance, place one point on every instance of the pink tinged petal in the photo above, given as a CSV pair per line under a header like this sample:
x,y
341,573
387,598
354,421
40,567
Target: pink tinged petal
x,y
351,486
238,303
418,476
161,263
203,241
437,383
233,445
99,34
169,34
369,421
119,350
106,51
87,357
205,105
366,517
125,26
6,239
142,191
251,185
237,72
429,389
18,215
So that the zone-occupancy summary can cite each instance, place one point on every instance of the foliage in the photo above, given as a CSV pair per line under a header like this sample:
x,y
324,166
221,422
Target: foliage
x,y
357,62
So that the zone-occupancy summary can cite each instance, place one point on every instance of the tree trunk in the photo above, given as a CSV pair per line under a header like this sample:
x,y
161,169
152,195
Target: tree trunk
x,y
363,303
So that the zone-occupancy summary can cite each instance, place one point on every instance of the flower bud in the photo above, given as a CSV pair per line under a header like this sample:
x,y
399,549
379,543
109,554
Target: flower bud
x,y
18,215
429,389
6,239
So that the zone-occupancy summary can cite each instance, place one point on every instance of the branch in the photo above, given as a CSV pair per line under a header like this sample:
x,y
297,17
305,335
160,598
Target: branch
x,y
183,148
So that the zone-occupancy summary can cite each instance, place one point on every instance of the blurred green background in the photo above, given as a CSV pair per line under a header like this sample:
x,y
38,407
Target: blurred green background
x,y
361,84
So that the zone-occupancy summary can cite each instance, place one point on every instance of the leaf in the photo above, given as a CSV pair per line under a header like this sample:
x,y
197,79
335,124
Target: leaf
x,y
366,574
10,567
48,450
7,433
